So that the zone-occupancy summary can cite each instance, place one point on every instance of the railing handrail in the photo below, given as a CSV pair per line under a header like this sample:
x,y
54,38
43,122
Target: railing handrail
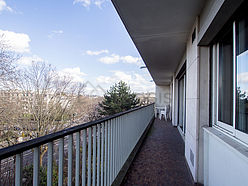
x,y
36,142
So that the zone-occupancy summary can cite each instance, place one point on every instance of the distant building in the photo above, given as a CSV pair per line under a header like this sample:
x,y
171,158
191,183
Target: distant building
x,y
146,98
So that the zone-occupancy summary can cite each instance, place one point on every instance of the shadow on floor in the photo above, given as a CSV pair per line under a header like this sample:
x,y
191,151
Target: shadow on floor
x,y
160,160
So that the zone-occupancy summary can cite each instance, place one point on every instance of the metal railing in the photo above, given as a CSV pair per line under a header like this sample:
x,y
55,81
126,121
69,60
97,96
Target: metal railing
x,y
95,151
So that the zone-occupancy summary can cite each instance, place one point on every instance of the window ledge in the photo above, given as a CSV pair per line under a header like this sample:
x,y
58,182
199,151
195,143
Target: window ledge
x,y
233,143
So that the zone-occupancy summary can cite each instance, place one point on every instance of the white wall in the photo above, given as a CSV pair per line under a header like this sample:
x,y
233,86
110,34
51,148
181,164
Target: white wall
x,y
162,96
210,10
204,101
197,103
206,156
225,160
192,103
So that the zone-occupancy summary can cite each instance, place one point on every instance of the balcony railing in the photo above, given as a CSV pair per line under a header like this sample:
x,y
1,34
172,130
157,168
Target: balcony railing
x,y
96,151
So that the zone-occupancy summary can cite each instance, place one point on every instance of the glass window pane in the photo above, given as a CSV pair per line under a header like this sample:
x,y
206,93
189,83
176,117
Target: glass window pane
x,y
181,101
225,99
242,75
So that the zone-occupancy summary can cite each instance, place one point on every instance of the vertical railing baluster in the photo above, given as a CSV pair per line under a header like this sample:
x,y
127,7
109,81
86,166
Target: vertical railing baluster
x,y
121,140
106,153
50,164
77,169
36,166
111,152
70,145
108,167
98,154
61,161
115,147
18,169
89,156
84,138
102,152
124,139
127,140
117,153
94,157
118,145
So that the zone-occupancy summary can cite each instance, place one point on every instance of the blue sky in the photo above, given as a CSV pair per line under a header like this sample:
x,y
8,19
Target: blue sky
x,y
242,72
83,38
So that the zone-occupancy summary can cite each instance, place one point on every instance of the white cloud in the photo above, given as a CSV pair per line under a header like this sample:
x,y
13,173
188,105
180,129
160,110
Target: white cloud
x,y
88,3
93,89
116,77
114,58
85,3
4,6
99,3
243,77
58,31
75,73
17,42
96,53
55,32
136,81
28,60
131,60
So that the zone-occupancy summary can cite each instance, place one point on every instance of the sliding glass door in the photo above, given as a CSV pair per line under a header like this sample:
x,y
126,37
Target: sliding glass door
x,y
182,103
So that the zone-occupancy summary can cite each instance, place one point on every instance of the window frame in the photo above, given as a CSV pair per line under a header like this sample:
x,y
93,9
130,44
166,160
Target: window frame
x,y
181,74
229,129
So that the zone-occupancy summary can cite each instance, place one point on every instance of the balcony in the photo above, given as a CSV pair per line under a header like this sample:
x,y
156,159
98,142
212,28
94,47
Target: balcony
x,y
101,152
160,160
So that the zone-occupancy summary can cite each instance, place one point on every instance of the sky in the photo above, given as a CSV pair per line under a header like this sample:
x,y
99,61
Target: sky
x,y
242,72
81,38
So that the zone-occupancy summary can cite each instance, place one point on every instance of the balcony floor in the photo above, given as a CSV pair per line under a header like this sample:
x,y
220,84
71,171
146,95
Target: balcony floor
x,y
160,160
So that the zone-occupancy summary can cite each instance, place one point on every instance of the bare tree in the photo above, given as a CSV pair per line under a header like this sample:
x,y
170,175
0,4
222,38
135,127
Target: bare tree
x,y
89,110
48,100
7,61
10,113
9,110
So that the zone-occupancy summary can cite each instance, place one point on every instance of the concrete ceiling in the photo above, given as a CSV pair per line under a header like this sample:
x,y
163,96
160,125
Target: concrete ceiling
x,y
159,29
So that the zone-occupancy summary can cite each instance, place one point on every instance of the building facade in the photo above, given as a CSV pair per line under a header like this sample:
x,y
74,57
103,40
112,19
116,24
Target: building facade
x,y
197,55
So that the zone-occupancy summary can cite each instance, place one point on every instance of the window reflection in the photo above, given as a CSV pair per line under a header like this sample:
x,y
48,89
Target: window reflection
x,y
242,76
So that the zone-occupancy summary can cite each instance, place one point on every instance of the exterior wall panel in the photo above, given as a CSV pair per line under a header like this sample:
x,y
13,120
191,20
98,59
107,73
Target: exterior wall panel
x,y
224,164
209,12
192,102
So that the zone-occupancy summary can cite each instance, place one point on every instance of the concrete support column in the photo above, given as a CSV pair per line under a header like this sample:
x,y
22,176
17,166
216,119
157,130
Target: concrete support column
x,y
204,96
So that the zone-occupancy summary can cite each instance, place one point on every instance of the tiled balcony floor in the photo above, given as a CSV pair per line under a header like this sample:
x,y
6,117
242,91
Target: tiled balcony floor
x,y
160,160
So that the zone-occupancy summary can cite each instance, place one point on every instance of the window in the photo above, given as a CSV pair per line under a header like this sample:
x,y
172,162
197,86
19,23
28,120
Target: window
x,y
229,76
181,103
181,79
225,82
242,75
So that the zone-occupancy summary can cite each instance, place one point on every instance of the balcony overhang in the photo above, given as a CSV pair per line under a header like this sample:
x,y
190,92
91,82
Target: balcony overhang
x,y
159,30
